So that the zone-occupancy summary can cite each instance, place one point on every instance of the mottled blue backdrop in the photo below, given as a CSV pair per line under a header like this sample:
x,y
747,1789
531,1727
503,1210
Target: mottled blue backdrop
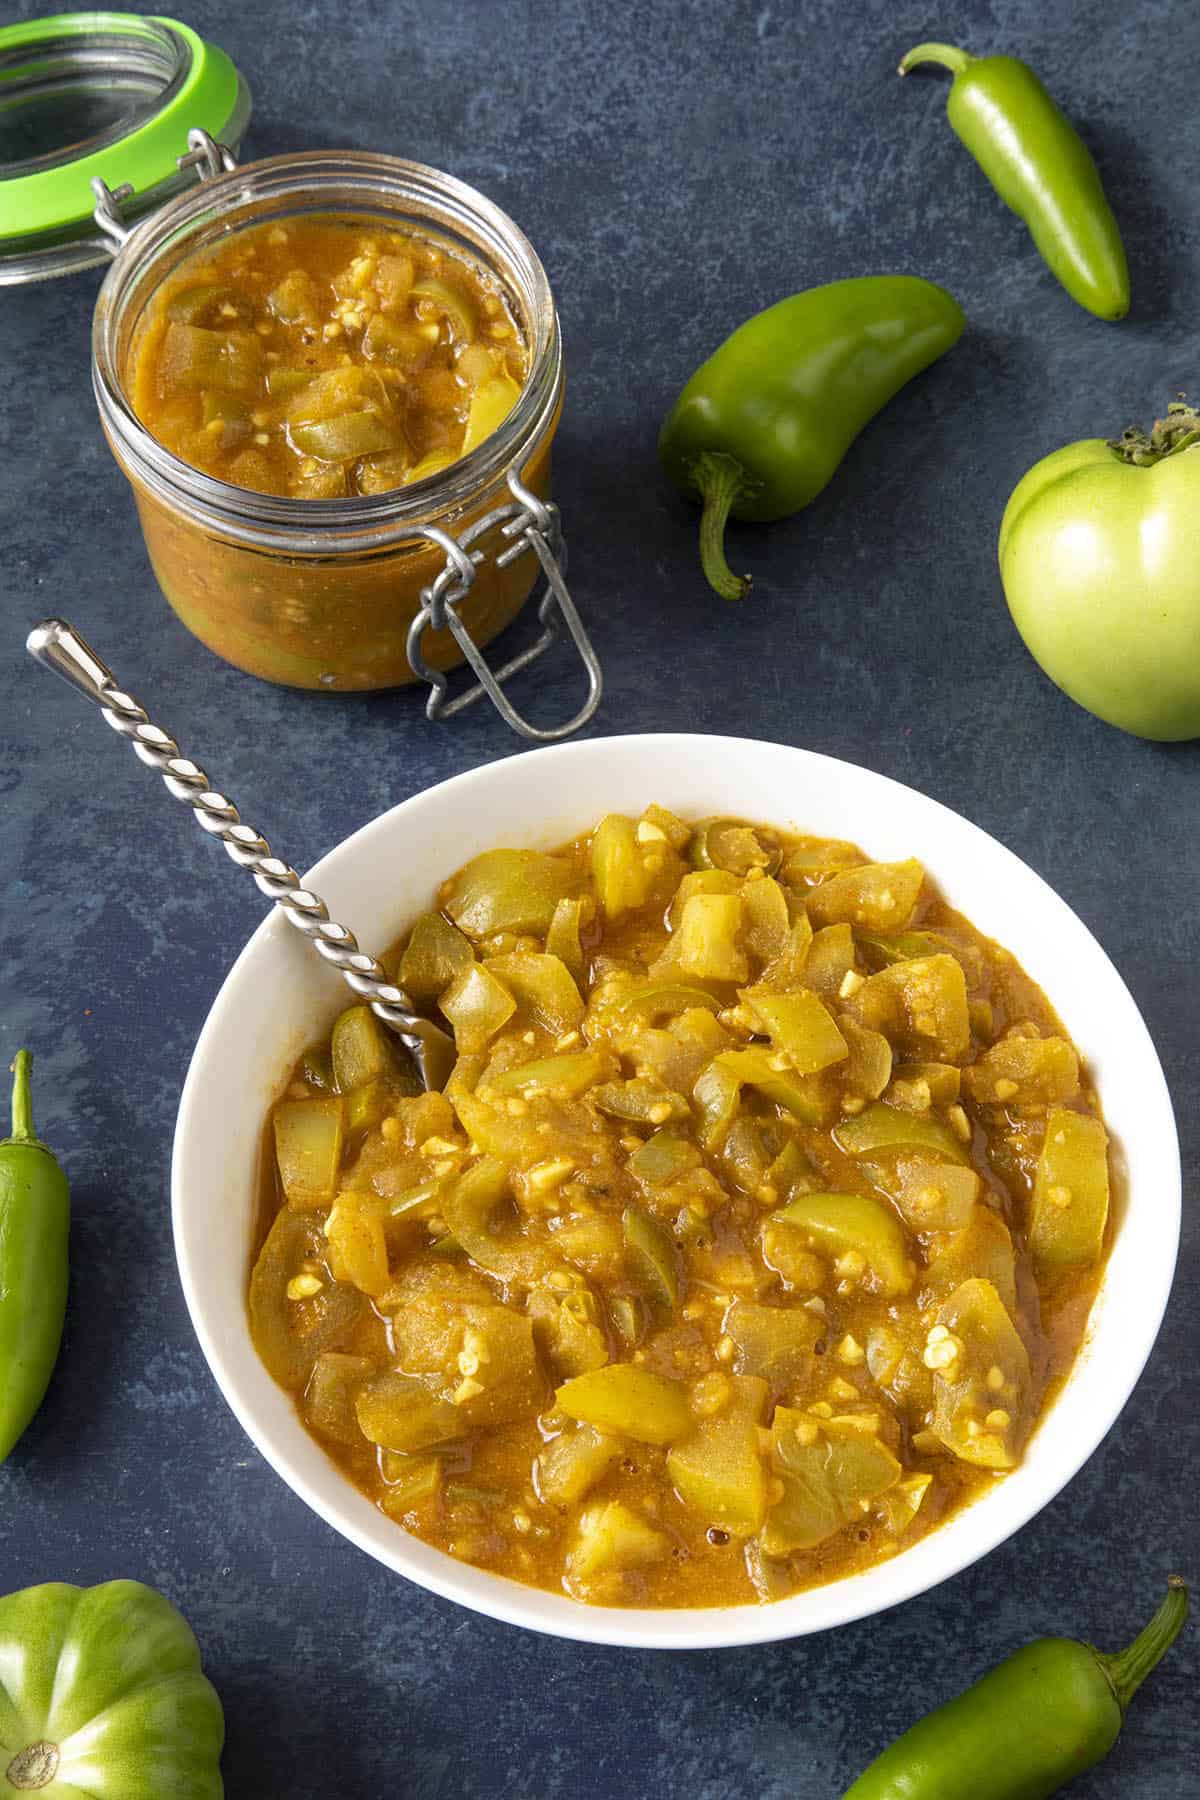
x,y
678,166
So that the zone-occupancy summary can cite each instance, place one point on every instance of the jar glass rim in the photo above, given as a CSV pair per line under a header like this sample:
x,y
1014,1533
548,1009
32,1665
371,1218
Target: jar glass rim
x,y
315,182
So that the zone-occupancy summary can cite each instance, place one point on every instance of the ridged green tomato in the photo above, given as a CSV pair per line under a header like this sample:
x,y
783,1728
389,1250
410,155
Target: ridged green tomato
x,y
102,1698
1100,560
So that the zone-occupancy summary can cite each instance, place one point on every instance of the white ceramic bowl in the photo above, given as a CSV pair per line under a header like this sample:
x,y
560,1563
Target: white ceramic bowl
x,y
278,997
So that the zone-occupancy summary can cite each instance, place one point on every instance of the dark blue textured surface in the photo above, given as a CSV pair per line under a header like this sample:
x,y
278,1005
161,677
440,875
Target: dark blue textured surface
x,y
678,166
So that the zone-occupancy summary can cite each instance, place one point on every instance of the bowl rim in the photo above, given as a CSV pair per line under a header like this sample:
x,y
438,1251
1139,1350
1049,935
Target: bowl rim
x,y
839,1602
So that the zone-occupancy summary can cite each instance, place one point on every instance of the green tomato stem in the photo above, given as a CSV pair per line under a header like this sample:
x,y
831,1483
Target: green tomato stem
x,y
22,1099
718,479
33,1767
1177,432
1129,1668
945,54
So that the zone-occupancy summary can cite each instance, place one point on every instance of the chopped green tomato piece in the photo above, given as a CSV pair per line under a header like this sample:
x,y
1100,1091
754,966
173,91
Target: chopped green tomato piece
x,y
289,1333
829,960
673,829
699,881
877,896
285,384
816,858
211,304
932,1196
328,1404
854,1227
191,357
294,300
901,1504
789,968
980,1377
225,419
574,1462
705,944
359,1049
508,890
595,1242
652,1254
316,1067
610,1538
774,1342
983,1247
506,1382
630,1400
1024,1071
629,1318
641,1102
388,340
563,939
477,1005
320,481
348,436
618,867
750,1148
920,1005
663,1158
542,985
660,997
900,947
414,1483
868,1067
568,1330
448,299
467,1209
883,1127
514,1142
831,1471
732,844
791,1169
1070,1192
357,1246
401,1412
921,1084
565,1077
718,1471
435,953
768,922
491,404
801,1028
308,1149
433,464
804,1096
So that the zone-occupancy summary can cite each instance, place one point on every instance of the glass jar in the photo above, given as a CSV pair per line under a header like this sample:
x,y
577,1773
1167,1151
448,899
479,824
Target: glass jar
x,y
365,592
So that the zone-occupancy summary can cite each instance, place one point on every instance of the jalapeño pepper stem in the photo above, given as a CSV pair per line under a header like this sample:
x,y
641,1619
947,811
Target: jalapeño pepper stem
x,y
719,479
1128,1668
22,1099
945,54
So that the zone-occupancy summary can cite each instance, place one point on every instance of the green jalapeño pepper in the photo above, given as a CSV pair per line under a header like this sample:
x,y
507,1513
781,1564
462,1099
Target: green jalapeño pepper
x,y
1040,1718
1040,167
34,1216
762,425
102,1695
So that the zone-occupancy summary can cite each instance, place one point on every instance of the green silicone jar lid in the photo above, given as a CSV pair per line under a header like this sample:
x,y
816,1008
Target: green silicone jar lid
x,y
99,95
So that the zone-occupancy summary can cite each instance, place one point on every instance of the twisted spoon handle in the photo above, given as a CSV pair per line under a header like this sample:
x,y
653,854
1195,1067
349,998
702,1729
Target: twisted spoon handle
x,y
56,646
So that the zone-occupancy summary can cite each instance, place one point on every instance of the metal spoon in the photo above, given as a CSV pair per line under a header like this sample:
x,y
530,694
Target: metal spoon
x,y
56,646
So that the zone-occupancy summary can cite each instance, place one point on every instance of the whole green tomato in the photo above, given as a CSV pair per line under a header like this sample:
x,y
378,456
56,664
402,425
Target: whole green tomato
x,y
1100,560
101,1694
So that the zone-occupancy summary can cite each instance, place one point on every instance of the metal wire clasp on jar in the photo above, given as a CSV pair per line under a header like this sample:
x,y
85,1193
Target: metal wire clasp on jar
x,y
369,591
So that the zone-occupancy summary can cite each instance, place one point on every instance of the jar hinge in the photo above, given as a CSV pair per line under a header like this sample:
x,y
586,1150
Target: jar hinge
x,y
530,524
203,154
